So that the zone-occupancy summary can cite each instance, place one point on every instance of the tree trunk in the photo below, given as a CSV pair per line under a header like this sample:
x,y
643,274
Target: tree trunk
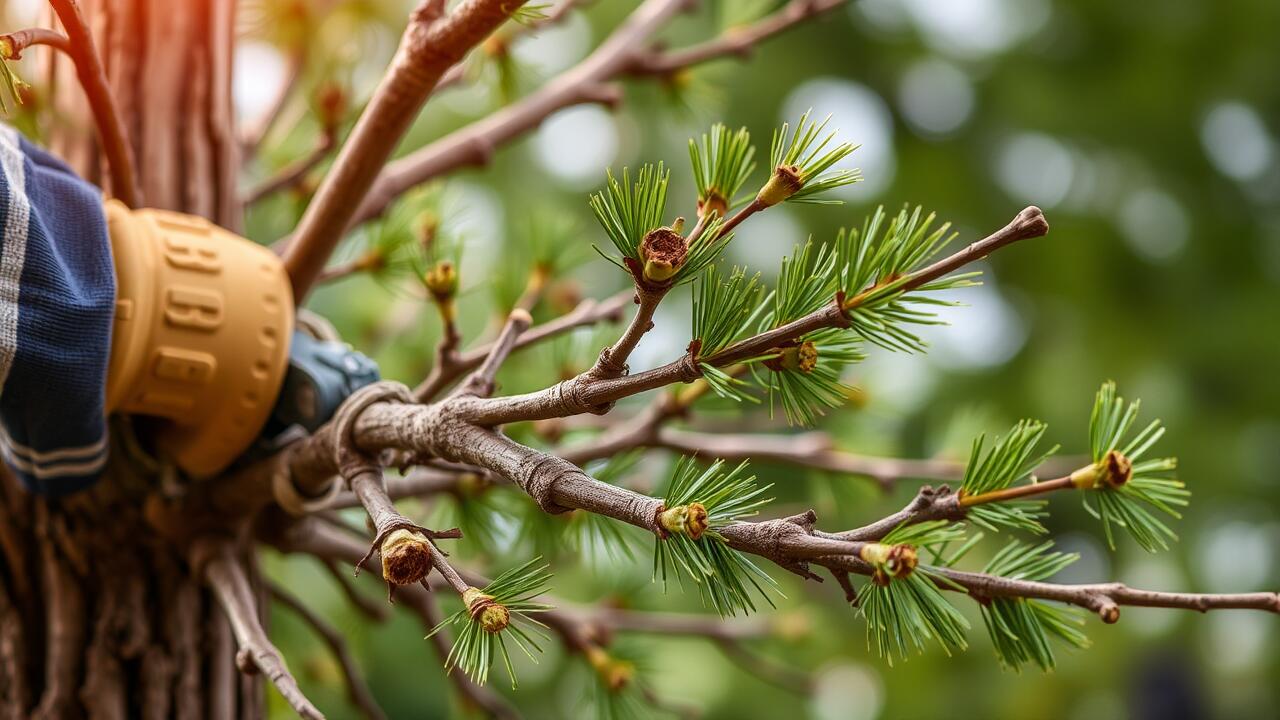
x,y
100,616
169,65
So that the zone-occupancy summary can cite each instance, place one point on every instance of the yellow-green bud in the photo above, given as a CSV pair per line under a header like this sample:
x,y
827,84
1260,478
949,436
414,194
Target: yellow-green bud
x,y
1113,470
493,617
442,280
890,561
784,183
799,358
688,520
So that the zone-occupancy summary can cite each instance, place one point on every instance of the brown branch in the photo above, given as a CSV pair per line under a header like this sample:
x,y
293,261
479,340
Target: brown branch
x,y
590,81
774,673
812,450
560,11
735,41
357,690
12,44
65,632
225,575
1106,598
481,382
588,312
432,42
293,173
587,393
612,362
102,103
366,606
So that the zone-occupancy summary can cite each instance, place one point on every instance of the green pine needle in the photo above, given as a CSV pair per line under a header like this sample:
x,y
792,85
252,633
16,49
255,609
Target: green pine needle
x,y
1150,486
1010,461
726,310
806,282
474,649
812,154
876,261
722,161
1021,628
530,15
725,577
628,211
908,612
804,396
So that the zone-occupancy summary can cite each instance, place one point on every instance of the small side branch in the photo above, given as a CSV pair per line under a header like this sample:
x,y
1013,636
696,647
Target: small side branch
x,y
225,575
115,145
12,44
481,382
293,173
431,44
588,312
357,690
812,450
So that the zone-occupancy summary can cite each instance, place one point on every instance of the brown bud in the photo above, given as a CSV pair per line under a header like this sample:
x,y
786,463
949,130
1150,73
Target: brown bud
x,y
663,251
713,203
1118,469
406,557
331,105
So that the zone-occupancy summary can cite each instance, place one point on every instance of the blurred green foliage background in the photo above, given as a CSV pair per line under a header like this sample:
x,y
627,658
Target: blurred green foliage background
x,y
1149,137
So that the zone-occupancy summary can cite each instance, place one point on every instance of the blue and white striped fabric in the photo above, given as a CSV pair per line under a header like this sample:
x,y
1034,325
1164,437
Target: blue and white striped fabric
x,y
57,298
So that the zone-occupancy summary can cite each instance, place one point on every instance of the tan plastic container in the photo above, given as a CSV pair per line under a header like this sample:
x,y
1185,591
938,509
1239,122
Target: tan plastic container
x,y
201,337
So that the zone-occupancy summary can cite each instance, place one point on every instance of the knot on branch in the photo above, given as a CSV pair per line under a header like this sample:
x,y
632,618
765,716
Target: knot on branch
x,y
538,479
568,397
350,459
769,538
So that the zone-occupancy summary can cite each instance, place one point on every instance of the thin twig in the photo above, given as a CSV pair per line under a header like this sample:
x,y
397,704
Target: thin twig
x,y
588,82
586,392
357,689
481,382
431,44
12,44
226,577
293,173
588,312
93,79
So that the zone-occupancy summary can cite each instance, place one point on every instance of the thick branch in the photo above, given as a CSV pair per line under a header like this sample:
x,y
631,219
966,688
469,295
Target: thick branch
x,y
431,44
102,103
226,577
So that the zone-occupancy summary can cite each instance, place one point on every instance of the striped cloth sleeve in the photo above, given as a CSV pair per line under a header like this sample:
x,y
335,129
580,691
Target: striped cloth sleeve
x,y
57,298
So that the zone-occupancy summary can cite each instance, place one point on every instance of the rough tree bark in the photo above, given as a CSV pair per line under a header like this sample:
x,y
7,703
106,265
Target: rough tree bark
x,y
99,616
